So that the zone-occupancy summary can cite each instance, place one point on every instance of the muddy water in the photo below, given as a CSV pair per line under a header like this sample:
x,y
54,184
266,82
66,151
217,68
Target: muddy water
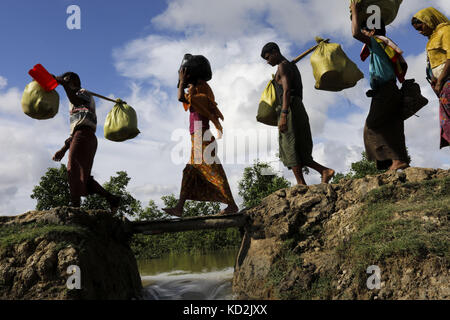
x,y
189,277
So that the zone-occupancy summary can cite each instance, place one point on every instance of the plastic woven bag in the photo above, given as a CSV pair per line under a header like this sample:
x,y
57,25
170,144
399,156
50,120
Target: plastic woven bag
x,y
332,69
389,9
121,123
38,103
266,111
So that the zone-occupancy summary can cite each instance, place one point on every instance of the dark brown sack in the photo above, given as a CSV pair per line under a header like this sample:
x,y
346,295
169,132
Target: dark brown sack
x,y
412,99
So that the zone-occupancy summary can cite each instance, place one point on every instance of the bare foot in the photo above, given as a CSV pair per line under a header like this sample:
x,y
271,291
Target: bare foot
x,y
399,166
231,209
174,212
327,175
114,204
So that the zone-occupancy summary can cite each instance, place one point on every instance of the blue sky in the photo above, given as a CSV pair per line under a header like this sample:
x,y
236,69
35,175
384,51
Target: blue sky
x,y
35,32
132,50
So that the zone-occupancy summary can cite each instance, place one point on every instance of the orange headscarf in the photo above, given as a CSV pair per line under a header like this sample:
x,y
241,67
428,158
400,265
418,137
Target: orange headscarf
x,y
201,98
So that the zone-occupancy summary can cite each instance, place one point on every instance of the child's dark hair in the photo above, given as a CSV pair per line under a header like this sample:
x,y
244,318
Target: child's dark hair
x,y
75,78
378,32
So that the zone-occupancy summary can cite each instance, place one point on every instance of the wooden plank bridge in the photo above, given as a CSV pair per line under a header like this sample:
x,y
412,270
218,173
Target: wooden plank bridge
x,y
189,224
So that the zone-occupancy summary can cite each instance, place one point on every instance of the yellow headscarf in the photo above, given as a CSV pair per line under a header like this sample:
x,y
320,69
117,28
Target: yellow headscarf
x,y
438,47
431,17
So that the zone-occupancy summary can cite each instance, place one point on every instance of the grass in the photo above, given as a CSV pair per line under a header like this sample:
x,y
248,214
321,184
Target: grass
x,y
287,261
319,288
15,234
392,226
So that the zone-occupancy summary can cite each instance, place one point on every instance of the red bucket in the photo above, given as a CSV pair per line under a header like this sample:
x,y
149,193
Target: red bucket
x,y
45,79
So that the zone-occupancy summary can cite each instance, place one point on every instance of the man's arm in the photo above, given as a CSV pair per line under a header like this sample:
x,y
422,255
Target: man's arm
x,y
284,73
61,153
182,84
356,28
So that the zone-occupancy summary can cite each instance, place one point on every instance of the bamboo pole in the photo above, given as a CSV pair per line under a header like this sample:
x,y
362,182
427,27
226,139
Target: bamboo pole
x,y
304,54
189,224
103,97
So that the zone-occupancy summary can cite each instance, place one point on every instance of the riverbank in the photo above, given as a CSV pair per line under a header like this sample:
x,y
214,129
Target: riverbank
x,y
379,237
37,249
315,242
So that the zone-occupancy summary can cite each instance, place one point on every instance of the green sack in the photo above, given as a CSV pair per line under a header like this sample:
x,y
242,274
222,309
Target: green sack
x,y
121,123
332,69
266,110
389,9
38,103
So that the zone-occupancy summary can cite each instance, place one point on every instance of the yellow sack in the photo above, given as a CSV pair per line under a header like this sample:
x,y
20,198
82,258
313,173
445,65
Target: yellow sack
x,y
121,123
38,103
266,110
389,9
332,69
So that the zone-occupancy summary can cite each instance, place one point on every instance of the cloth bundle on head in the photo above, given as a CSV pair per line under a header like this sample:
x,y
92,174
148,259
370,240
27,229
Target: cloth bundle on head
x,y
438,46
389,9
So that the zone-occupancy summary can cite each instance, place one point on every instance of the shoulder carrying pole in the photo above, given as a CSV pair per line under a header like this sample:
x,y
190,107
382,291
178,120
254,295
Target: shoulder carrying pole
x,y
304,54
105,98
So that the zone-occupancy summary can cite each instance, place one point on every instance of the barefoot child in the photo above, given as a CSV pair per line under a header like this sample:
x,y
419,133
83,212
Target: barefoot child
x,y
82,143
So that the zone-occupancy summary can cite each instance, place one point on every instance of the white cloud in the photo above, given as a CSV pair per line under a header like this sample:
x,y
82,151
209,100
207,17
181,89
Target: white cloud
x,y
3,82
231,19
231,34
10,101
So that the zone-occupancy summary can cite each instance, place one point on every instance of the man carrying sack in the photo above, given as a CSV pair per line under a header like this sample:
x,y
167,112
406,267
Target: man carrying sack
x,y
295,141
82,143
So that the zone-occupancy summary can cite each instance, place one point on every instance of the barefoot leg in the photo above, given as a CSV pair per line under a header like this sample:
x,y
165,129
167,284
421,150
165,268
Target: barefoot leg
x,y
174,212
327,175
231,209
398,165
298,173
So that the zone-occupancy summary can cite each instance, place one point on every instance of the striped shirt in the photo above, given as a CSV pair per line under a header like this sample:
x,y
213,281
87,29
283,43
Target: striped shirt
x,y
84,114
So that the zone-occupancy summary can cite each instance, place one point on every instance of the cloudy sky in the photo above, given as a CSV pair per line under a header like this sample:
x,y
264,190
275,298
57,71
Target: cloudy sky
x,y
133,49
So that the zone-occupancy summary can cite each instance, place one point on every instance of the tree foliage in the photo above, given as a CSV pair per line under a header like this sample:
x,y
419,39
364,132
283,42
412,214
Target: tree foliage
x,y
146,247
53,191
255,184
116,185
